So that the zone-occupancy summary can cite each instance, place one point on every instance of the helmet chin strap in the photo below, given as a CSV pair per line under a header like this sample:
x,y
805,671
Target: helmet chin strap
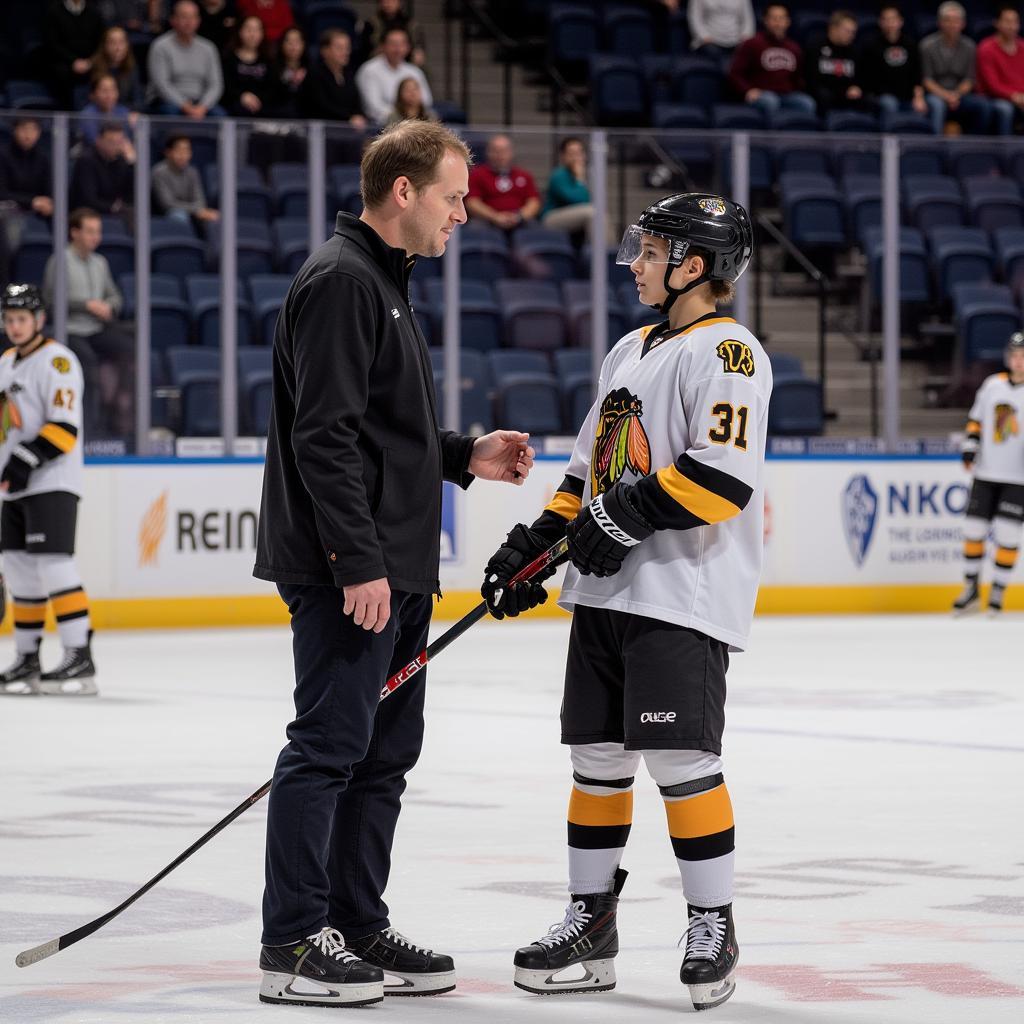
x,y
674,293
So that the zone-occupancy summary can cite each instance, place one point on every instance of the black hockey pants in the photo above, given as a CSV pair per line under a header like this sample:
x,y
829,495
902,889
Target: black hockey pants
x,y
339,781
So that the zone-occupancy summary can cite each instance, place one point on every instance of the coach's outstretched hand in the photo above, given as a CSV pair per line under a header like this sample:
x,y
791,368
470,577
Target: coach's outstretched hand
x,y
521,547
602,534
503,455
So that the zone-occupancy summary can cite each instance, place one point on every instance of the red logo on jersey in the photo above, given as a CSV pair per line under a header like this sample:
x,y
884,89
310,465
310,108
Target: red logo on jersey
x,y
1006,425
620,442
10,417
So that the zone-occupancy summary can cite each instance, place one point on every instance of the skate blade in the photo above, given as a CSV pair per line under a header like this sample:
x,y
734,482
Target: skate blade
x,y
287,988
396,984
70,688
704,997
598,976
972,609
23,688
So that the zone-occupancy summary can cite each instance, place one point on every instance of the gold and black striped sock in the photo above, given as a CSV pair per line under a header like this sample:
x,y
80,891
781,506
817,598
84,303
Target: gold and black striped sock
x,y
600,816
29,619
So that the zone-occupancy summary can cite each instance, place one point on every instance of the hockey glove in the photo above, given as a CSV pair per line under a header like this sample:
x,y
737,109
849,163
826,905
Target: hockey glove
x,y
18,468
521,547
602,534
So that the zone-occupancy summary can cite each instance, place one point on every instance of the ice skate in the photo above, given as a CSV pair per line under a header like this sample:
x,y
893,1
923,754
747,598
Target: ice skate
x,y
75,676
318,971
586,940
22,678
409,970
711,956
995,601
968,601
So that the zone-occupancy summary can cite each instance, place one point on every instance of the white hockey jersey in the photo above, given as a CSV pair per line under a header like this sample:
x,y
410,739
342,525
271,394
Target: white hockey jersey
x,y
995,431
41,404
683,415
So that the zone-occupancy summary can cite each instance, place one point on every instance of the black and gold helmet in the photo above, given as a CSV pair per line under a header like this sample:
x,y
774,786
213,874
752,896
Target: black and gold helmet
x,y
22,296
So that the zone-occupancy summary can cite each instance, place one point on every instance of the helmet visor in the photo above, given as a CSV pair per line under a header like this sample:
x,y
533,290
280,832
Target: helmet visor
x,y
649,247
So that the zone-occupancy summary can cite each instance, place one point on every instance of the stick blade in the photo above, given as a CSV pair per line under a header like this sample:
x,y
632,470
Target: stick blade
x,y
37,953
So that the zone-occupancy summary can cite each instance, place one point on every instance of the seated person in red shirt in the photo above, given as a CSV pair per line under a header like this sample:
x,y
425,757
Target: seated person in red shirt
x,y
766,69
499,192
1000,69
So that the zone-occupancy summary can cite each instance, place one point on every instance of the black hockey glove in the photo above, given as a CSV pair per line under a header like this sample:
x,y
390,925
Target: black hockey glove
x,y
521,547
18,468
602,534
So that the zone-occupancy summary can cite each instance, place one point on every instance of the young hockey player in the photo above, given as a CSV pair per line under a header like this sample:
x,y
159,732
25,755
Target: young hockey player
x,y
40,483
663,506
994,450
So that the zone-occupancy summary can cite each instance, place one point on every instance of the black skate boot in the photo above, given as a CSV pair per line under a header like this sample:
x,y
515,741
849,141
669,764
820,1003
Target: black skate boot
x,y
587,938
711,956
22,678
995,601
969,598
409,970
318,971
75,676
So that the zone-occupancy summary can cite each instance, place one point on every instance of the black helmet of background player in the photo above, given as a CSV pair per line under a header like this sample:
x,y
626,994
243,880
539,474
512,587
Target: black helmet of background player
x,y
712,224
22,296
1015,344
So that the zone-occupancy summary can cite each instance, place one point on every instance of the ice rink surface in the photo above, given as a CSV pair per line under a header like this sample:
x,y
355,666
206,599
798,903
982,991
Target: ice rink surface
x,y
876,767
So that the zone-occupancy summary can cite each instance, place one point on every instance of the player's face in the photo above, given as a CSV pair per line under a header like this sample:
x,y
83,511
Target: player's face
x,y
437,209
649,270
21,325
1015,364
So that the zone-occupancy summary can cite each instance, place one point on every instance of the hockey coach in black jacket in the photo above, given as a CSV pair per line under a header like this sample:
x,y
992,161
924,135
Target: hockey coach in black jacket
x,y
349,532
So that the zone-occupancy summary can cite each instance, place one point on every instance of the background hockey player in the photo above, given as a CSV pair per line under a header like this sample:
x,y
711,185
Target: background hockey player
x,y
663,506
994,450
41,483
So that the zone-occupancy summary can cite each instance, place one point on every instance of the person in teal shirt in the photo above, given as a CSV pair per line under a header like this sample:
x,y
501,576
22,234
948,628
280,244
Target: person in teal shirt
x,y
568,206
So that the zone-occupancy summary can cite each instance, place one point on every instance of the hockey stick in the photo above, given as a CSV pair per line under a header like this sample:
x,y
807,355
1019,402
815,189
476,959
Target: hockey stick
x,y
553,556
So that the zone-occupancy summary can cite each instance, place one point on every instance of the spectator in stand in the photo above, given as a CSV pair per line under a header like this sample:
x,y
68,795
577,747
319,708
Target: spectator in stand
x,y
248,79
177,188
767,70
105,107
25,185
290,70
71,31
103,178
184,70
276,16
717,27
948,76
831,67
409,105
568,206
216,20
392,14
499,192
103,346
114,57
329,91
889,68
1000,69
378,79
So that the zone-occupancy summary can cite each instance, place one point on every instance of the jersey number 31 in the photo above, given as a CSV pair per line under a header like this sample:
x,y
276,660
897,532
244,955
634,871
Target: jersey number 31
x,y
728,418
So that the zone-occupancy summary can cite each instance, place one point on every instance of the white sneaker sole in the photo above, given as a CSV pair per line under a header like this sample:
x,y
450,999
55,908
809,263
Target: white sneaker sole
x,y
705,997
396,984
287,988
599,976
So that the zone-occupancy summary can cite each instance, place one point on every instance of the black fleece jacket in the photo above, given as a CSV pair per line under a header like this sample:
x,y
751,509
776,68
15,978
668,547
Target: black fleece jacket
x,y
355,459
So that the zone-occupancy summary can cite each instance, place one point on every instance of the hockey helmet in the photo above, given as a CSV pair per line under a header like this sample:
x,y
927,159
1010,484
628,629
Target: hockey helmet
x,y
1015,344
22,296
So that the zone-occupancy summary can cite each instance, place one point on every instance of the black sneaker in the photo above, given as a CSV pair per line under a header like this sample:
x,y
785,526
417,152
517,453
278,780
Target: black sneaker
x,y
75,676
22,678
711,956
587,938
969,598
409,970
318,971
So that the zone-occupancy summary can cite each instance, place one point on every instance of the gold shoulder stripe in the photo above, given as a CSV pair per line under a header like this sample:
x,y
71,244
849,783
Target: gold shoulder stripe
x,y
973,427
644,331
58,436
565,505
704,504
709,323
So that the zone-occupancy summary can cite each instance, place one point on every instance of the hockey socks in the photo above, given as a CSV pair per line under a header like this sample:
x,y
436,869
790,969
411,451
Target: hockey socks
x,y
600,815
71,609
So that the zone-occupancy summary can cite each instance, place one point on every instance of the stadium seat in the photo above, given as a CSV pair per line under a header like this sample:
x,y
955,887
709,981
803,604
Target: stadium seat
x,y
35,249
255,376
809,26
579,312
572,369
525,391
795,408
255,252
161,286
476,415
795,121
319,15
628,31
657,70
485,260
915,279
516,361
917,160
114,226
268,292
813,213
994,202
617,91
544,254
785,366
23,94
120,254
974,163
169,323
291,243
984,329
573,36
909,123
252,197
697,80
203,295
862,200
737,117
791,158
161,228
851,121
533,315
959,255
1009,245
697,154
618,273
178,257
196,373
853,160
289,189
480,322
932,201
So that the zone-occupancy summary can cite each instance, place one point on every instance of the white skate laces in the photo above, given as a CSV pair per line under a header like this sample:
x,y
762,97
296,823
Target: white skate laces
x,y
704,935
331,943
400,940
576,917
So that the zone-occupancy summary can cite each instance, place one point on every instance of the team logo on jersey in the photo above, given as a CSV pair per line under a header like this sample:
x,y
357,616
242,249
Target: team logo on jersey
x,y
860,513
10,417
620,442
152,530
736,357
61,364
1006,423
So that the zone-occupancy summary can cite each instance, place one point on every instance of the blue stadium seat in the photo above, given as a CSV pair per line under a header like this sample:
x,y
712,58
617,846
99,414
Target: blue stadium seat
x,y
737,117
344,186
617,91
684,117
697,80
909,123
795,121
476,415
994,202
984,328
628,31
196,373
795,408
170,323
479,317
161,228
291,243
915,279
932,201
516,361
252,197
120,254
255,376
785,366
811,159
289,189
809,26
23,94
526,392
813,213
485,260
974,163
1009,244
618,273
571,361
255,252
533,315
323,14
178,257
268,292
480,230
573,36
960,255
572,368
854,160
35,249
547,257
114,226
982,293
915,160
203,295
161,286
579,312
862,199
657,70
851,121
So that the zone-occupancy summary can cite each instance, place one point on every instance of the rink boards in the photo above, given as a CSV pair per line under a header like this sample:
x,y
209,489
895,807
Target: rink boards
x,y
171,542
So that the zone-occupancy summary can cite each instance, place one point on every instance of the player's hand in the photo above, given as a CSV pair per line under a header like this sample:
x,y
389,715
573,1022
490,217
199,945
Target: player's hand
x,y
369,604
521,547
503,455
603,533
18,469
